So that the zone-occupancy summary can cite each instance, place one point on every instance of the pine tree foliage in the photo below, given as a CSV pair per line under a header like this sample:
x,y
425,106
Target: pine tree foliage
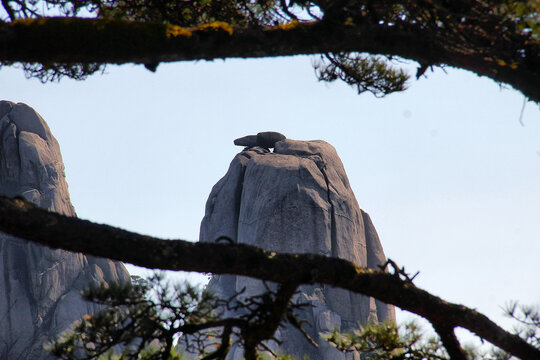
x,y
527,319
384,342
153,319
148,319
141,320
387,342
365,73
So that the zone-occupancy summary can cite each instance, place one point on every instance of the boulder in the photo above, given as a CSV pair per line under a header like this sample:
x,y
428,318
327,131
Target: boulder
x,y
39,287
297,200
265,139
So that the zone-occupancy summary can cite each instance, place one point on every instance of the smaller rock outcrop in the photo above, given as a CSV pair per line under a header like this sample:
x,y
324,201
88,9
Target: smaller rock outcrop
x,y
39,287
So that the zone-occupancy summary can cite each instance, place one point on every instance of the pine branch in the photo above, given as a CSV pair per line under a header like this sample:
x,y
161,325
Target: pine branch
x,y
24,220
450,341
58,42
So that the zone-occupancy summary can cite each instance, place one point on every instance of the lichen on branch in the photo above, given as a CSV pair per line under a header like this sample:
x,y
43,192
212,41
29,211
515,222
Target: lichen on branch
x,y
500,40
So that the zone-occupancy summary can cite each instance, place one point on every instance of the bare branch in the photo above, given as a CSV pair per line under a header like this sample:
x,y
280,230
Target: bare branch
x,y
9,10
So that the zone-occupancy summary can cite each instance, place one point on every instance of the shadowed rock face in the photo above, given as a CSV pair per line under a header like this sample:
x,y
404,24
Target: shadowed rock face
x,y
297,200
39,287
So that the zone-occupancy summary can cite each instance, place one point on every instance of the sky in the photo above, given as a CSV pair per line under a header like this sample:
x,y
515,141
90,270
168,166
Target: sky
x,y
449,170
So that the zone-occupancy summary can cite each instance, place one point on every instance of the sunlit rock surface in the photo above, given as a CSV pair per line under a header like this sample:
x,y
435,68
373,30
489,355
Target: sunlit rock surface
x,y
39,287
297,199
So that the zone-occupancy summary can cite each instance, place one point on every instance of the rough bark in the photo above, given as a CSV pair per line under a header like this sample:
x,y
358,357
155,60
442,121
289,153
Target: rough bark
x,y
22,219
77,40
450,342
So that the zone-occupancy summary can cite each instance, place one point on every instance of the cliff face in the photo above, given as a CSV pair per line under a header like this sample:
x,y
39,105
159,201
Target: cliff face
x,y
39,287
297,200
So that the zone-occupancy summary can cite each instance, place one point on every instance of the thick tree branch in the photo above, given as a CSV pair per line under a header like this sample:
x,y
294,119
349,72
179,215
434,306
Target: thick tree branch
x,y
78,40
72,40
24,220
450,342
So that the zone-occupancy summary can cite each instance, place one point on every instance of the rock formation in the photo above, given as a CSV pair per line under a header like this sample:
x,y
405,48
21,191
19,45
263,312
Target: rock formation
x,y
39,287
297,200
265,139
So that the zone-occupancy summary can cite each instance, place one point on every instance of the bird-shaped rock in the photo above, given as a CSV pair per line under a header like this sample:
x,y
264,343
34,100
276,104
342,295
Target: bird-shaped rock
x,y
266,139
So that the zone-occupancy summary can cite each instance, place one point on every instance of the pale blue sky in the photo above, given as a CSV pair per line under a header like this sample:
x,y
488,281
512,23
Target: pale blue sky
x,y
449,175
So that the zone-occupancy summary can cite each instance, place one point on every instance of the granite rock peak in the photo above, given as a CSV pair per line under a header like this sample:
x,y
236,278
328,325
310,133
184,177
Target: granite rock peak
x,y
297,200
39,287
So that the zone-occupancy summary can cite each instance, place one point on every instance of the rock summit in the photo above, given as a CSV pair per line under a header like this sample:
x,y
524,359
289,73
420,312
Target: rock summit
x,y
296,200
